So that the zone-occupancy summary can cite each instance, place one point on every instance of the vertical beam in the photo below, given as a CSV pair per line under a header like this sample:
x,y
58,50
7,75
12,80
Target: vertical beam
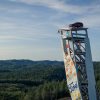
x,y
70,69
90,72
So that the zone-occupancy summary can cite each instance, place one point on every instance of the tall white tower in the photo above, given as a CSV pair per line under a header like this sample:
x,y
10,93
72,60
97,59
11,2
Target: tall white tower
x,y
78,63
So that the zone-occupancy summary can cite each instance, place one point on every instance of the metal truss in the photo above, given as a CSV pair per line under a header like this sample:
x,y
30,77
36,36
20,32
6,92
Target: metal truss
x,y
74,44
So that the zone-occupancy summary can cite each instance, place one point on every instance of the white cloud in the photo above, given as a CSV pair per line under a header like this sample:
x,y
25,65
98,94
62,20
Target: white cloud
x,y
6,25
55,4
62,6
11,37
5,37
89,14
92,21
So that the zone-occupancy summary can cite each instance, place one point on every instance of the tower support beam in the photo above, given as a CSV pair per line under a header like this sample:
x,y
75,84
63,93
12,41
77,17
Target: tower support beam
x,y
78,63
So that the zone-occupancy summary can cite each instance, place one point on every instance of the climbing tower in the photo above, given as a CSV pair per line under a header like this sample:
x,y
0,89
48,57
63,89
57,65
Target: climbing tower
x,y
78,63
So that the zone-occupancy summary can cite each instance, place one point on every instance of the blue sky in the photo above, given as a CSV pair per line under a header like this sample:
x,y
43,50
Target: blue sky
x,y
28,28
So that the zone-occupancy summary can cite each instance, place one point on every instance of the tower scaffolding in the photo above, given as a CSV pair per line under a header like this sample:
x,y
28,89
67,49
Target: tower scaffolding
x,y
78,63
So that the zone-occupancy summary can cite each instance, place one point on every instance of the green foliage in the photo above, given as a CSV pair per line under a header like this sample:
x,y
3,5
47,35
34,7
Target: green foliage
x,y
35,80
47,91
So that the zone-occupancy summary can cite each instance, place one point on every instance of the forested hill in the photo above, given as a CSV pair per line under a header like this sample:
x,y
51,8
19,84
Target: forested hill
x,y
31,70
36,70
15,64
35,80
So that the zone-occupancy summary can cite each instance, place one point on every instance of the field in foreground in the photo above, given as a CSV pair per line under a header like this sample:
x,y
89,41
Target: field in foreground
x,y
35,80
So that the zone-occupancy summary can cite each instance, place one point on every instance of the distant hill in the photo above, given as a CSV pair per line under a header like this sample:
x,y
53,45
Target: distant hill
x,y
15,64
35,70
31,70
